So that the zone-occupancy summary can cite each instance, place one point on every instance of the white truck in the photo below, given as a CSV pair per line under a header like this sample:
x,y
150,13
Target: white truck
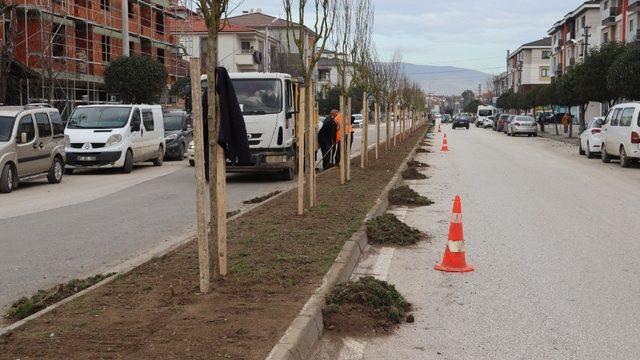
x,y
267,103
485,116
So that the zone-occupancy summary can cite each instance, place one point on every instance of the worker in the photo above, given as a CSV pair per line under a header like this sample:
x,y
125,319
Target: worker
x,y
327,141
566,121
337,118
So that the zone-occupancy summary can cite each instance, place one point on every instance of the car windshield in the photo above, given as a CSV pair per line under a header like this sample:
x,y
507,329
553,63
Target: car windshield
x,y
172,122
99,117
524,118
259,97
485,112
6,127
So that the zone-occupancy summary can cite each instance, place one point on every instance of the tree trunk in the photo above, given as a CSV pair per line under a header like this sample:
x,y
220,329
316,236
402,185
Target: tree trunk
x,y
583,115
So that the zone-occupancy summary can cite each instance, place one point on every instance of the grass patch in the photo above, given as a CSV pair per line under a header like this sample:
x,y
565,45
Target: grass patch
x,y
259,199
364,305
417,164
411,173
27,306
404,195
233,213
387,229
423,150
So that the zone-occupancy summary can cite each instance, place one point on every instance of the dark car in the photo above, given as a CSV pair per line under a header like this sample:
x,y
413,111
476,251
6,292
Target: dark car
x,y
460,121
177,133
501,122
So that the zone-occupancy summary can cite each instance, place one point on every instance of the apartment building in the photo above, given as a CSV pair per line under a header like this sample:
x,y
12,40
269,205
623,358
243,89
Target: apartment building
x,y
619,20
61,47
328,75
240,48
530,65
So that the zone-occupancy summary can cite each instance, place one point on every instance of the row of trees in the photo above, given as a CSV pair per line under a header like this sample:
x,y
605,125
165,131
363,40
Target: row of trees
x,y
608,74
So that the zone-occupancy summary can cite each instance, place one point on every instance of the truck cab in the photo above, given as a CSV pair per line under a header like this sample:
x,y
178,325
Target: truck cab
x,y
269,111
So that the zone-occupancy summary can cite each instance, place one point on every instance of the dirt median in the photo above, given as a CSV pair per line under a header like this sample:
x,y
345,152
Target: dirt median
x,y
276,261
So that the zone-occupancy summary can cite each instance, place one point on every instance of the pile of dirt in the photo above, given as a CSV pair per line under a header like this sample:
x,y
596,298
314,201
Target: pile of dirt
x,y
422,151
417,164
26,306
364,306
276,261
259,199
387,229
411,173
404,195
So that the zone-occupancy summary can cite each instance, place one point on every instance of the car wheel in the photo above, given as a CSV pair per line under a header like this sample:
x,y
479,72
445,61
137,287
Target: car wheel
x,y
535,134
606,158
589,152
158,160
55,172
467,127
128,162
181,152
192,163
7,179
625,161
580,149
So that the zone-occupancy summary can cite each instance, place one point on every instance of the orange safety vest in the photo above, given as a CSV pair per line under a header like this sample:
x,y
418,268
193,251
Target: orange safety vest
x,y
338,120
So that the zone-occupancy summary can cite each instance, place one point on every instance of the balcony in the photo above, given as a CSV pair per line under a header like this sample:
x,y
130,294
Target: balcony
x,y
609,16
245,59
634,5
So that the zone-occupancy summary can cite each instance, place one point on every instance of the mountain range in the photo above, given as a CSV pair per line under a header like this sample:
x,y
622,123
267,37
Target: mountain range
x,y
445,80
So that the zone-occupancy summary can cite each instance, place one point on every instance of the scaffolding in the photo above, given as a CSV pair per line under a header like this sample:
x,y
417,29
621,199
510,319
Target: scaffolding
x,y
65,45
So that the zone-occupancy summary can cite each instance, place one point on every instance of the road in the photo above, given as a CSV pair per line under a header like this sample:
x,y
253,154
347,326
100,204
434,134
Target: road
x,y
94,221
553,238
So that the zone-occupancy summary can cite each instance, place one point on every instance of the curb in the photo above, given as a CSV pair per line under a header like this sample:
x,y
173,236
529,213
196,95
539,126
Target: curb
x,y
306,329
158,251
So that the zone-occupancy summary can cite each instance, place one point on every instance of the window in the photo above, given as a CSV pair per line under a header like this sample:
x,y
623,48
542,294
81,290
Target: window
x,y
147,119
44,126
160,55
26,126
605,5
130,8
583,21
7,30
106,48
58,41
246,47
159,22
605,38
631,25
544,71
546,54
627,117
104,4
132,47
56,123
135,117
615,119
99,117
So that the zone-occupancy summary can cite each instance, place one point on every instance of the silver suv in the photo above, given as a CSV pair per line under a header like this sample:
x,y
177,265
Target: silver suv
x,y
31,145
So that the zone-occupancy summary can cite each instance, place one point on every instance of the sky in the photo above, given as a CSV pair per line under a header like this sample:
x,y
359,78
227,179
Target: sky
x,y
473,34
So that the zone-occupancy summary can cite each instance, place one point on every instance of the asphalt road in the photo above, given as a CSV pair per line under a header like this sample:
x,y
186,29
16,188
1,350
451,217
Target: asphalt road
x,y
96,220
553,238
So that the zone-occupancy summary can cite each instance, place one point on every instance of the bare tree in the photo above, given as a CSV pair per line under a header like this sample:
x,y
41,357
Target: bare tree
x,y
7,12
392,92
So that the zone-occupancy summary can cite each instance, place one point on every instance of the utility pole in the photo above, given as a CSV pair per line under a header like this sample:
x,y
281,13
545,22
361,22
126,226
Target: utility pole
x,y
124,7
480,92
586,36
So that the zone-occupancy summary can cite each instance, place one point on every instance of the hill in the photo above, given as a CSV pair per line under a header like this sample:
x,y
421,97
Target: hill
x,y
445,80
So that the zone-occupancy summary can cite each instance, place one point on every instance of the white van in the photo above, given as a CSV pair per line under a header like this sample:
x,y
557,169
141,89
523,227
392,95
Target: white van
x,y
114,136
483,113
621,134
266,100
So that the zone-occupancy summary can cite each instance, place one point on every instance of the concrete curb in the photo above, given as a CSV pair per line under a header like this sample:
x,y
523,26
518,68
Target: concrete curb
x,y
158,251
306,329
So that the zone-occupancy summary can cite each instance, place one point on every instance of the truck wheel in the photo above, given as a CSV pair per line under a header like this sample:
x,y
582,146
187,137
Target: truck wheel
x,y
158,160
7,179
128,162
55,172
192,163
289,174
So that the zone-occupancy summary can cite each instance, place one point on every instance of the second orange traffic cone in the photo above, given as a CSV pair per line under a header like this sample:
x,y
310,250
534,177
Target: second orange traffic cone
x,y
445,144
454,259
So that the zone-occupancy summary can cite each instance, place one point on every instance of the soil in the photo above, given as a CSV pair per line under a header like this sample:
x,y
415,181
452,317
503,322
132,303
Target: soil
x,y
423,150
364,307
276,261
387,229
411,173
417,164
263,198
404,195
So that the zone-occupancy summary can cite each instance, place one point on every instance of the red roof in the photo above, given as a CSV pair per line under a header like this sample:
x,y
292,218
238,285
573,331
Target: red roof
x,y
199,26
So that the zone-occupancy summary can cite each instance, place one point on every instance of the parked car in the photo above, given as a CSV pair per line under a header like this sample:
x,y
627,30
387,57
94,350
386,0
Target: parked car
x,y
460,121
114,136
505,126
522,125
591,138
445,119
498,125
177,133
31,145
191,154
488,122
356,120
621,134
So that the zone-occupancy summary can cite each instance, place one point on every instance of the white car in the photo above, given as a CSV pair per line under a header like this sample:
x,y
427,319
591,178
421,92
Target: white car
x,y
191,154
591,138
356,120
621,134
488,122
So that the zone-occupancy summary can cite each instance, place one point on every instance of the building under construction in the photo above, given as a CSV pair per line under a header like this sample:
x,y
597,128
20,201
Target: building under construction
x,y
58,49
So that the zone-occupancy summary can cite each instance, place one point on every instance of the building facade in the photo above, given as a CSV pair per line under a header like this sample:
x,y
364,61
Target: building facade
x,y
530,65
619,20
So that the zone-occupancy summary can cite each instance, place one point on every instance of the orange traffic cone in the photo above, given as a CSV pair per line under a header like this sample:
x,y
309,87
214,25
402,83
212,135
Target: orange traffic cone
x,y
454,253
445,144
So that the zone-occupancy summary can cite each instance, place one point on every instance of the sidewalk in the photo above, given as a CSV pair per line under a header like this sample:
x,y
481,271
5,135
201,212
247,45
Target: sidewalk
x,y
550,133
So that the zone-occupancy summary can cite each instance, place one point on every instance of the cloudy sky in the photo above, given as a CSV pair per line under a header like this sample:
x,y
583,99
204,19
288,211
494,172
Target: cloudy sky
x,y
473,34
